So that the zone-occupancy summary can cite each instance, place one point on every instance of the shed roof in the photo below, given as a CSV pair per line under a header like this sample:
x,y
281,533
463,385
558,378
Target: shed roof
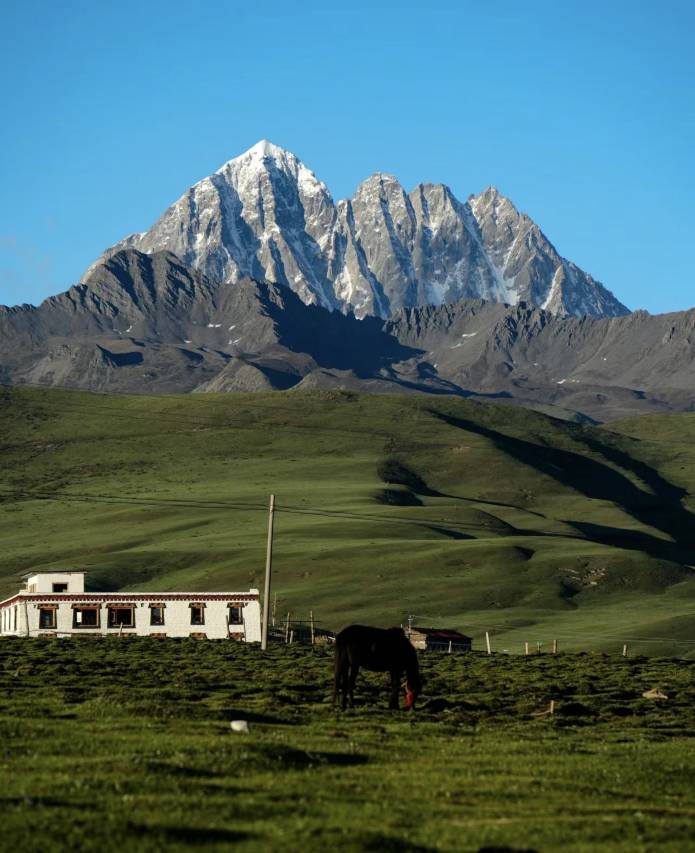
x,y
441,634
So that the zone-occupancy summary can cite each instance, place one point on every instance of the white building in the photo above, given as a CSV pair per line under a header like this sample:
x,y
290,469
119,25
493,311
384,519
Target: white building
x,y
55,604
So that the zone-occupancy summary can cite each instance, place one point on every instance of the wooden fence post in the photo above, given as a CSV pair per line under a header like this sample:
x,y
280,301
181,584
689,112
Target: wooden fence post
x,y
487,643
624,650
287,628
291,637
449,646
311,619
554,647
525,648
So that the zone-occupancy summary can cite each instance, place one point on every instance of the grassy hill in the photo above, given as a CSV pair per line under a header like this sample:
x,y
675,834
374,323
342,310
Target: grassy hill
x,y
467,515
98,757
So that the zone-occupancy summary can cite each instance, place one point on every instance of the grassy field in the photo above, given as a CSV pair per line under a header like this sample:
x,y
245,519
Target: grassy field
x,y
126,745
467,515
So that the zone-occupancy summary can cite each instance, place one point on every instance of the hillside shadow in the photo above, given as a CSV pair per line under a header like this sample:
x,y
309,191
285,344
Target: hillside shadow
x,y
335,340
195,836
662,510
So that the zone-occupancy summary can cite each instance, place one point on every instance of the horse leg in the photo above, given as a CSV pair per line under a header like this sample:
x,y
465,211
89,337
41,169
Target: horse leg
x,y
338,683
395,690
351,679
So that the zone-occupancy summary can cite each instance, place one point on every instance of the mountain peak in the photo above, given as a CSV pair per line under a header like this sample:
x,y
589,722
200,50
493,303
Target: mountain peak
x,y
260,152
264,214
379,181
265,148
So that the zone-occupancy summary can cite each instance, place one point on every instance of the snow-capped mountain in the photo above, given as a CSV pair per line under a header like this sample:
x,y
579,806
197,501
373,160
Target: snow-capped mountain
x,y
265,215
147,323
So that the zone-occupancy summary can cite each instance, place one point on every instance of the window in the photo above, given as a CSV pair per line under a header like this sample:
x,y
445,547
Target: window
x,y
60,587
122,617
197,614
236,616
47,617
85,617
156,614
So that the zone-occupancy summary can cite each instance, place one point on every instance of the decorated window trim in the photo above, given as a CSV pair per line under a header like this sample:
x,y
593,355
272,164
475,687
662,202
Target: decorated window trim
x,y
235,606
49,612
157,606
80,608
113,608
199,608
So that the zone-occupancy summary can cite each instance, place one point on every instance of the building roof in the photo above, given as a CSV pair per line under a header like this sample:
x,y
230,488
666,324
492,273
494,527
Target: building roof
x,y
444,634
53,572
89,597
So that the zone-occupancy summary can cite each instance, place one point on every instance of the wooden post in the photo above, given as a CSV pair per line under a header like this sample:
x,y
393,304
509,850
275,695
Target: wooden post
x,y
538,646
268,568
311,625
449,646
275,607
552,706
291,637
287,627
624,650
526,648
487,643
554,647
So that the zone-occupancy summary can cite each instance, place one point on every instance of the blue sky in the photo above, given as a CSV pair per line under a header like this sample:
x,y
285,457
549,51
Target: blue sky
x,y
583,113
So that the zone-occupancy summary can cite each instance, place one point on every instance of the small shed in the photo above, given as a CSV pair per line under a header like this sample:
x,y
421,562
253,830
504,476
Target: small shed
x,y
439,640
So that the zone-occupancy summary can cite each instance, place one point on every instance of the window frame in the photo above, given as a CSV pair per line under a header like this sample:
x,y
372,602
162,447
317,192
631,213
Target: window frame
x,y
53,612
112,625
161,609
62,584
197,606
81,608
238,607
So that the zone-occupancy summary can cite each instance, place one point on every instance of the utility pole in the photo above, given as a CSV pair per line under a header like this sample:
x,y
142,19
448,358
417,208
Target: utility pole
x,y
268,566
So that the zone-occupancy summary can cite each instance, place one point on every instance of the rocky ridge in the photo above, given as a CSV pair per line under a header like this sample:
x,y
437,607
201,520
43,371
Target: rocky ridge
x,y
265,215
148,323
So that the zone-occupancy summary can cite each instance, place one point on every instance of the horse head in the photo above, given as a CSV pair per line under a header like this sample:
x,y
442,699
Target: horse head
x,y
413,688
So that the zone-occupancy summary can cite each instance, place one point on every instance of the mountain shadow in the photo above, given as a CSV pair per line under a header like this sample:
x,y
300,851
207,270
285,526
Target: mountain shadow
x,y
334,340
662,510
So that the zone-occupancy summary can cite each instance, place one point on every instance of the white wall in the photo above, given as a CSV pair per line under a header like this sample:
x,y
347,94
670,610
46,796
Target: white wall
x,y
177,619
43,582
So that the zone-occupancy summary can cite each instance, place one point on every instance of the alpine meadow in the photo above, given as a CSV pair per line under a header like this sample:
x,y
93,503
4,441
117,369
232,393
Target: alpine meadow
x,y
347,427
482,517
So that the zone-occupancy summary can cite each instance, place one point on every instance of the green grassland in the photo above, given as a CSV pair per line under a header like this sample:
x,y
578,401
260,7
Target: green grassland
x,y
469,515
126,745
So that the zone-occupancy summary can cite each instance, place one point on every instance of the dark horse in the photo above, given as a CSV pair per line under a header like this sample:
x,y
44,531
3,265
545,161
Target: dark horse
x,y
379,650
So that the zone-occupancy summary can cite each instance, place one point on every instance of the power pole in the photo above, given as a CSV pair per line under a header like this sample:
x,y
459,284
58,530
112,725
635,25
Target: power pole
x,y
268,566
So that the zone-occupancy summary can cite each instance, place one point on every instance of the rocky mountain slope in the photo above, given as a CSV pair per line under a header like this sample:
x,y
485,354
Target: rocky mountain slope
x,y
148,323
266,216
